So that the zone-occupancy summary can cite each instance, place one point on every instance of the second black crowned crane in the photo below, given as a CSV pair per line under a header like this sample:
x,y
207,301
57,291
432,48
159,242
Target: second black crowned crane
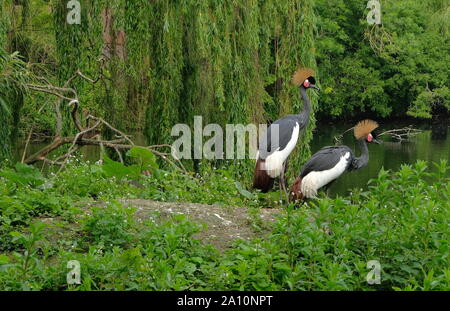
x,y
330,162
281,137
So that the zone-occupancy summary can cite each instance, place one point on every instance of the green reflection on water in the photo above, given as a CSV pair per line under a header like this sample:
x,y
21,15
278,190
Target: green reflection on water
x,y
432,145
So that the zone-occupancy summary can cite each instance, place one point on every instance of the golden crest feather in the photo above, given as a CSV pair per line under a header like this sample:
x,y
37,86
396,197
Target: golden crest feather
x,y
301,74
364,128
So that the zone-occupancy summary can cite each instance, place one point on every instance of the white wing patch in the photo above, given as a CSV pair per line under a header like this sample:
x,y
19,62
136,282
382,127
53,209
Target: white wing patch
x,y
274,162
312,182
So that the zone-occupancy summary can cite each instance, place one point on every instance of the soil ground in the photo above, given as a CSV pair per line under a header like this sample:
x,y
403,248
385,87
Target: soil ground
x,y
223,224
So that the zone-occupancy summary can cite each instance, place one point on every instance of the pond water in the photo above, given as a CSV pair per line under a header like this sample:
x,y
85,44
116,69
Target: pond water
x,y
431,145
89,153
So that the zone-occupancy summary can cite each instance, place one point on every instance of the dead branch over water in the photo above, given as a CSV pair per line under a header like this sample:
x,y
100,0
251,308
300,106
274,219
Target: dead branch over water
x,y
89,135
399,135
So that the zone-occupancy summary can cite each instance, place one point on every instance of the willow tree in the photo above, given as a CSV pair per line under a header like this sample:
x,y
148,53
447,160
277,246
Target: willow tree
x,y
164,62
13,77
97,44
229,61
4,25
77,47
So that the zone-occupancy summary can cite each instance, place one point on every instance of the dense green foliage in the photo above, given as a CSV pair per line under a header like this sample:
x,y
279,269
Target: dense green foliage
x,y
13,76
210,57
162,62
399,67
204,46
401,221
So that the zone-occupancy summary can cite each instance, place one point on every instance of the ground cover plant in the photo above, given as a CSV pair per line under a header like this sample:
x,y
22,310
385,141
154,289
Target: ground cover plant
x,y
401,220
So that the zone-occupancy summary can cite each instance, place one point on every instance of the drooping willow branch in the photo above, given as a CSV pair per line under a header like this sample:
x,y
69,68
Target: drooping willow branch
x,y
86,136
400,134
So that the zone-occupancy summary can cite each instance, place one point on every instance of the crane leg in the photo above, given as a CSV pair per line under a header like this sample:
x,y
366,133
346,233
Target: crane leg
x,y
327,189
283,183
286,165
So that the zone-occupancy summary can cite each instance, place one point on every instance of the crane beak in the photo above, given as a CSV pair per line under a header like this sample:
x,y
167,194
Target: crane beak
x,y
72,102
315,87
376,141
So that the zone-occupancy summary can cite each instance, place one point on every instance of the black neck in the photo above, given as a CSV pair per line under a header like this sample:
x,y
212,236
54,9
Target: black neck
x,y
306,104
364,158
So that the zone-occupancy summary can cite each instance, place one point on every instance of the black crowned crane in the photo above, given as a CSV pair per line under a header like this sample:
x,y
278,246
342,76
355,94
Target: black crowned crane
x,y
330,162
281,137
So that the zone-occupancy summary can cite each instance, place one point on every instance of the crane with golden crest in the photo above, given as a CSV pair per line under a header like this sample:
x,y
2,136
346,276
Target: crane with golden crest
x,y
330,162
281,137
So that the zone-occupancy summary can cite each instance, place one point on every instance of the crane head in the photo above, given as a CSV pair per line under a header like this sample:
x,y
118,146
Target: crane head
x,y
371,139
364,129
310,83
305,77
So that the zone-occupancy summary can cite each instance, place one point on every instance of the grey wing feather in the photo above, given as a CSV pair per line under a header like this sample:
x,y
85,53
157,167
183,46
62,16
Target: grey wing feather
x,y
285,128
325,159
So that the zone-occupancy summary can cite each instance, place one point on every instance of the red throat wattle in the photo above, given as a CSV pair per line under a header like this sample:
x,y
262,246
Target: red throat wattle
x,y
369,138
306,84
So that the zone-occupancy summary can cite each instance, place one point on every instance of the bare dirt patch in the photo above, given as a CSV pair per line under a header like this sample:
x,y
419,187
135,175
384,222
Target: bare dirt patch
x,y
224,225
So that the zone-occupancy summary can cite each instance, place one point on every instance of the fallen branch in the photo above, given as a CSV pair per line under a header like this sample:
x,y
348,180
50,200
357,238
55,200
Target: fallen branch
x,y
86,136
111,128
401,134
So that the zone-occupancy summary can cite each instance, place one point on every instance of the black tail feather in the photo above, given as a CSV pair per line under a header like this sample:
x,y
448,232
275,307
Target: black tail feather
x,y
295,194
261,180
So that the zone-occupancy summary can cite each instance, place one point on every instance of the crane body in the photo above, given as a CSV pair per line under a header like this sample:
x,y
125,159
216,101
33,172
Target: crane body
x,y
330,162
281,137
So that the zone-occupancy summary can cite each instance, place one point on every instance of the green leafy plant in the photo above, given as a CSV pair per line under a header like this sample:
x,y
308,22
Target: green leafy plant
x,y
110,225
113,168
144,158
23,174
401,221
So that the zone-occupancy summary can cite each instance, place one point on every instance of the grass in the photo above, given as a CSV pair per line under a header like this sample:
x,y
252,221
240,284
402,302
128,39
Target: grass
x,y
401,221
